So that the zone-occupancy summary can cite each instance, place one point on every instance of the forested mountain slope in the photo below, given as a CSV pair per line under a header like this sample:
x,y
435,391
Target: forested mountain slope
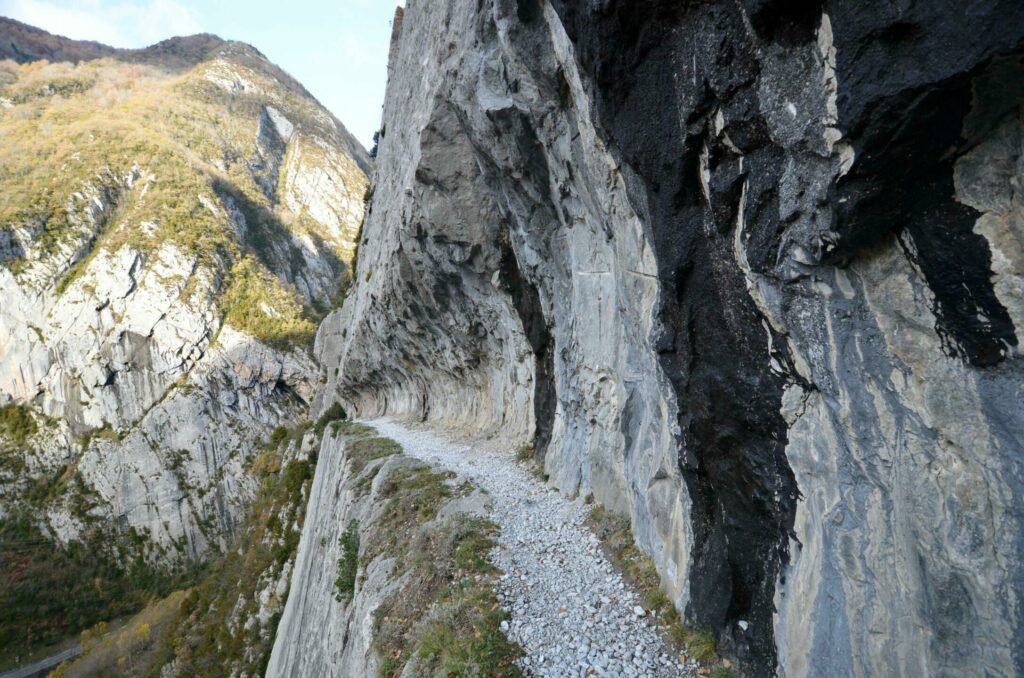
x,y
174,222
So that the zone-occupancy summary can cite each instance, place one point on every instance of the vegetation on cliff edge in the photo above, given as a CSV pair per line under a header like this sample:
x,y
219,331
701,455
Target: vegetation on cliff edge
x,y
210,635
615,534
171,158
444,618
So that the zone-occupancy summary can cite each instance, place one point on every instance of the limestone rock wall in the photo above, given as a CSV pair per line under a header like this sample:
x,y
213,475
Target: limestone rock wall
x,y
152,324
749,272
143,391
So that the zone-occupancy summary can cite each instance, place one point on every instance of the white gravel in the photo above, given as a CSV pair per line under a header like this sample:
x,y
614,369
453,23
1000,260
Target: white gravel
x,y
569,609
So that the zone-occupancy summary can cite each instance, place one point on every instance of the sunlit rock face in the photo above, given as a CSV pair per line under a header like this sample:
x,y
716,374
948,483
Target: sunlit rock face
x,y
750,274
174,223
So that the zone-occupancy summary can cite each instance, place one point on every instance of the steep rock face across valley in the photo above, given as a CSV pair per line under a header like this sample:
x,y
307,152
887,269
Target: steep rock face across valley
x,y
174,222
749,272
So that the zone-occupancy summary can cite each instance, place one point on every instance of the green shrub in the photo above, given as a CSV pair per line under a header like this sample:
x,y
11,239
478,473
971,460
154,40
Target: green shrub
x,y
279,435
473,549
352,429
106,432
334,413
348,563
414,495
286,548
296,473
17,424
467,639
256,303
364,450
446,613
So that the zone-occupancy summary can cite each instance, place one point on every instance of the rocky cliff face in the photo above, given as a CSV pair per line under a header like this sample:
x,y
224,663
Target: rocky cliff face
x,y
391,574
748,272
175,221
319,631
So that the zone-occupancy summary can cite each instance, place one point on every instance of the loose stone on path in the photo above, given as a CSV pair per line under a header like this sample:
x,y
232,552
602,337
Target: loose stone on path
x,y
569,609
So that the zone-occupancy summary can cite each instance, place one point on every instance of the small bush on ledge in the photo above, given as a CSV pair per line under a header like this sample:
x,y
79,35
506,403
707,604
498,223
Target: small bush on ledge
x,y
17,424
334,413
348,563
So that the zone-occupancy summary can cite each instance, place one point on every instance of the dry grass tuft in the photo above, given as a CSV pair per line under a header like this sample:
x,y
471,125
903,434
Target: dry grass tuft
x,y
615,533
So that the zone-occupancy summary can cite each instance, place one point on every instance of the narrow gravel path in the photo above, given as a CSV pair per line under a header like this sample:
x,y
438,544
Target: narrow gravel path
x,y
570,610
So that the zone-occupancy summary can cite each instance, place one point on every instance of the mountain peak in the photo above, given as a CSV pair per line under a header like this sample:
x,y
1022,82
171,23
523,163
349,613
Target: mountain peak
x,y
23,43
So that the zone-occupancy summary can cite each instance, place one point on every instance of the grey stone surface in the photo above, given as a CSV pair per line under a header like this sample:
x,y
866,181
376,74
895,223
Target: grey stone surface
x,y
320,635
749,274
317,634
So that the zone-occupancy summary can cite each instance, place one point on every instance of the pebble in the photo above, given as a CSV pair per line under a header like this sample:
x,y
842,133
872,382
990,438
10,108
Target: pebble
x,y
554,574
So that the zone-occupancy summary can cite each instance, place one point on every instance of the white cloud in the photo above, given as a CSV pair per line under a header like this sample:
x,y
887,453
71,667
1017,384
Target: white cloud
x,y
119,23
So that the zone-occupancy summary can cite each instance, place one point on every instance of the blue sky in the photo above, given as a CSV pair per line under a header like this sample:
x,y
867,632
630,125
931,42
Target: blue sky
x,y
336,48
